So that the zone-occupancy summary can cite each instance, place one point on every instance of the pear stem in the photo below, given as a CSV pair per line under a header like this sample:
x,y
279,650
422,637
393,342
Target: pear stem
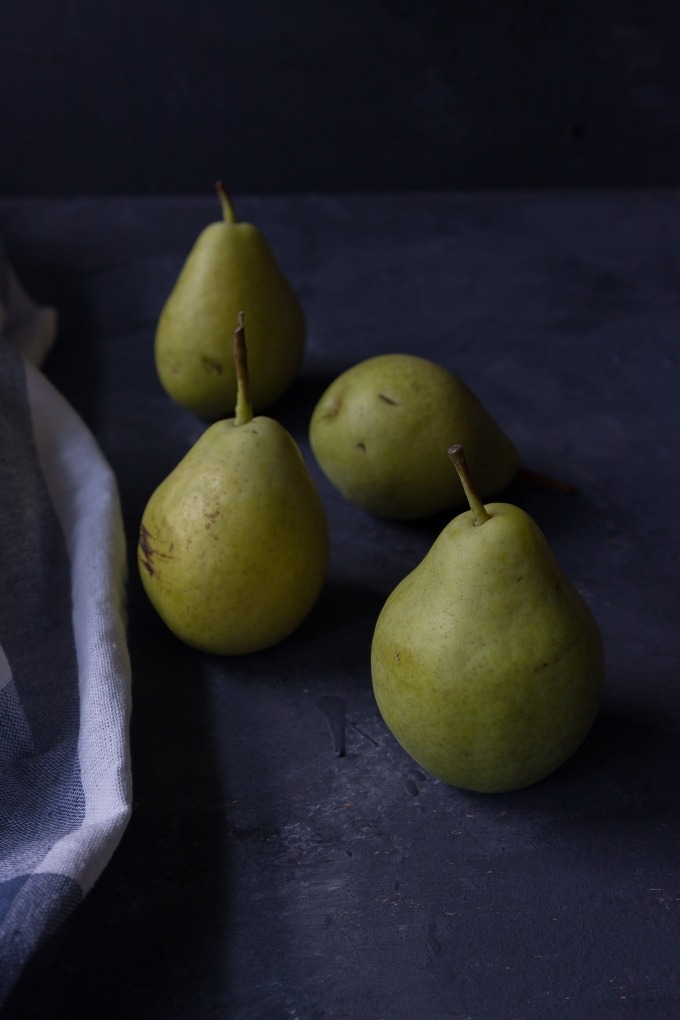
x,y
244,407
546,480
225,202
477,508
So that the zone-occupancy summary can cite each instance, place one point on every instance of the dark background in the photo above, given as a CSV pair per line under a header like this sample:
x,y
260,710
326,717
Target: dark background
x,y
151,97
262,876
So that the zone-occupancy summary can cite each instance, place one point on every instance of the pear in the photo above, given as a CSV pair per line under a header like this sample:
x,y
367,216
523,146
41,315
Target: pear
x,y
233,544
381,430
230,268
487,664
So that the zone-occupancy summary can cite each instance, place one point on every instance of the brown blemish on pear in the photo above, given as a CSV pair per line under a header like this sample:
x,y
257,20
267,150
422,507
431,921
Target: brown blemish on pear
x,y
147,549
213,365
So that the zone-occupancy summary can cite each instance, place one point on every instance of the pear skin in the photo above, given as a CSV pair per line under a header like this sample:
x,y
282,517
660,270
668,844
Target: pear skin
x,y
487,664
381,430
230,268
234,543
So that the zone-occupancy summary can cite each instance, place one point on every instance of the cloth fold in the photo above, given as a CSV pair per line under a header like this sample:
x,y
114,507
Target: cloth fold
x,y
65,776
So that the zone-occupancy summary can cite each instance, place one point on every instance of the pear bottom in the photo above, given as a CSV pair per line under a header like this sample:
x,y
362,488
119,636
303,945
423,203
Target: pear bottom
x,y
508,746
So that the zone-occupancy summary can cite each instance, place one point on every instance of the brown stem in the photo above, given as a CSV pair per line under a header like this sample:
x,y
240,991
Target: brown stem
x,y
225,202
546,480
480,514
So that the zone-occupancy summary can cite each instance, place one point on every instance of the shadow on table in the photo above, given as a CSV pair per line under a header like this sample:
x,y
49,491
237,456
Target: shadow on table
x,y
146,933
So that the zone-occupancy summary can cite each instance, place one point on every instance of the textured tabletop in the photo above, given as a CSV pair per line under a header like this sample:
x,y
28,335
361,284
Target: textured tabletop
x,y
285,858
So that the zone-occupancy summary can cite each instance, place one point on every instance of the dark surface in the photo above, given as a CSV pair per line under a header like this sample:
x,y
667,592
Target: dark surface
x,y
265,875
139,97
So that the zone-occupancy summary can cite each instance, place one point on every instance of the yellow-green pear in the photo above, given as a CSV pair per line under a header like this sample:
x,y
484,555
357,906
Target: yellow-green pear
x,y
233,544
381,430
487,664
231,268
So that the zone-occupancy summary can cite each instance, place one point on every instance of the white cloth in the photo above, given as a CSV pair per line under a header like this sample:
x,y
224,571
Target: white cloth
x,y
65,778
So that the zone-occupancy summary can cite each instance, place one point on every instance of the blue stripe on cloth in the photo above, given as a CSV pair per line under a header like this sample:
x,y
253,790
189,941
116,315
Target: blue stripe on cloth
x,y
33,907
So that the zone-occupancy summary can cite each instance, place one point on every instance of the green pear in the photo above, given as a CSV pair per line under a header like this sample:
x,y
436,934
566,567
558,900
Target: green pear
x,y
230,268
487,664
381,430
233,544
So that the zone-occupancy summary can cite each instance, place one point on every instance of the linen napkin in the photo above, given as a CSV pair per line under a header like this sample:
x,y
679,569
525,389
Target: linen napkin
x,y
65,778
